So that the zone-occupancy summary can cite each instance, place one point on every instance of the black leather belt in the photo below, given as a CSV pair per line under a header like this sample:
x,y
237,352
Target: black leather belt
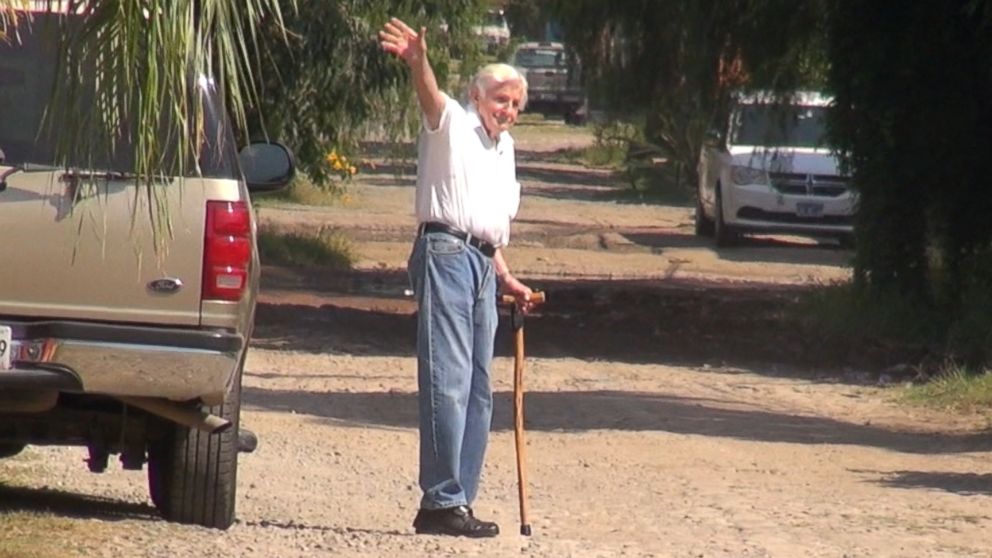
x,y
434,227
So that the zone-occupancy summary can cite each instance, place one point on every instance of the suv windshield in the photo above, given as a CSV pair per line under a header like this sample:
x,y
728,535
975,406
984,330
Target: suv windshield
x,y
539,58
777,126
27,73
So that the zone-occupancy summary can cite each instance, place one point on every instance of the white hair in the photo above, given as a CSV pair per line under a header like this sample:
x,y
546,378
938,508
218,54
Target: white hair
x,y
493,75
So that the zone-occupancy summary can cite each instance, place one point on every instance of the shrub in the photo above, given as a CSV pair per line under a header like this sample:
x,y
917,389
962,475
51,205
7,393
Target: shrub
x,y
327,248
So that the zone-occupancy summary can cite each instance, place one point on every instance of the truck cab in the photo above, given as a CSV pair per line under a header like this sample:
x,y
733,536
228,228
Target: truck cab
x,y
553,80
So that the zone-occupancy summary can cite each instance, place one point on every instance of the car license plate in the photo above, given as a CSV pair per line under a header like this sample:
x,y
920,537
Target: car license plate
x,y
6,344
806,209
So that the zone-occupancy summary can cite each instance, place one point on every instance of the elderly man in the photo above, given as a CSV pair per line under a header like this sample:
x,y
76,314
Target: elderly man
x,y
467,193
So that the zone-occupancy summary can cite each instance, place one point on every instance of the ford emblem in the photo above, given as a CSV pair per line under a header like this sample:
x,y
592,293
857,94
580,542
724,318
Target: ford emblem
x,y
167,286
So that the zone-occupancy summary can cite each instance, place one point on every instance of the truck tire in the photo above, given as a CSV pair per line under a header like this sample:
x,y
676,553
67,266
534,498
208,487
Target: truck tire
x,y
192,475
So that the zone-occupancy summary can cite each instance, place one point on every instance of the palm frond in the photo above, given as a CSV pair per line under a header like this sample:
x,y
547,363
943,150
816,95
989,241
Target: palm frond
x,y
126,70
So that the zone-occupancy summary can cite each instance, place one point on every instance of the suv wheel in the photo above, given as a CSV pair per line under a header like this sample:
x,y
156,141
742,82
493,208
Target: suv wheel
x,y
192,475
704,225
724,233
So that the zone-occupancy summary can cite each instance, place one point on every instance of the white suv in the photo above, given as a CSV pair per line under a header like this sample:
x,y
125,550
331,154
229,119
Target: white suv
x,y
771,172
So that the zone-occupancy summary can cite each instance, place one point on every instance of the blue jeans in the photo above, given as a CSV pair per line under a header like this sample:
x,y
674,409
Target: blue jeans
x,y
455,288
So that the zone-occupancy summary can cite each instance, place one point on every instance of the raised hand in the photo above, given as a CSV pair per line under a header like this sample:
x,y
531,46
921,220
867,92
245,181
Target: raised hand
x,y
400,39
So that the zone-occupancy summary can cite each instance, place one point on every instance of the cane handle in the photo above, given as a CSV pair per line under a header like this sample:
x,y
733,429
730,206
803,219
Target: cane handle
x,y
537,297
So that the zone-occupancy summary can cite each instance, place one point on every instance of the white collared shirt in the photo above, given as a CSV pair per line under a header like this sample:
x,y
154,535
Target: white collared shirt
x,y
464,178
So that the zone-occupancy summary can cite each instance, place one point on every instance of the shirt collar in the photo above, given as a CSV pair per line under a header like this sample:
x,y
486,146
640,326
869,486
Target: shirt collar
x,y
476,122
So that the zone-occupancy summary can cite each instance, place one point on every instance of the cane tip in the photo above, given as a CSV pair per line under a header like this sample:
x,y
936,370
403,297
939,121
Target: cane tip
x,y
525,530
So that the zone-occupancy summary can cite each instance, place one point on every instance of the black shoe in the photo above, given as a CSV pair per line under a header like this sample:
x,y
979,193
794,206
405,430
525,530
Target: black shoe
x,y
458,522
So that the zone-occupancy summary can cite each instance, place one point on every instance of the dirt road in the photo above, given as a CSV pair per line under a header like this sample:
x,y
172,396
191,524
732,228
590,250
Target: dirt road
x,y
668,410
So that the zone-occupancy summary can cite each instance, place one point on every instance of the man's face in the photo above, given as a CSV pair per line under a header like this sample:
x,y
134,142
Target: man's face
x,y
499,107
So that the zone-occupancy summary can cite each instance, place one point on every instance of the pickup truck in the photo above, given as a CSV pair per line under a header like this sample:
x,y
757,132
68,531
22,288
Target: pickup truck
x,y
553,84
110,339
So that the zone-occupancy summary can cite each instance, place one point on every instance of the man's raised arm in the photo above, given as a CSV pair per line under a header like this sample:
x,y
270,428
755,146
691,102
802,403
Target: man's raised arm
x,y
398,38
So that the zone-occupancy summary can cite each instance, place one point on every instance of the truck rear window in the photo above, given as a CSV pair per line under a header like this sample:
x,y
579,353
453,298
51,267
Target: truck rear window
x,y
539,58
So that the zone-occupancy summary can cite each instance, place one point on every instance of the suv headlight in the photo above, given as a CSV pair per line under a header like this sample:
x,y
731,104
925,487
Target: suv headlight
x,y
748,175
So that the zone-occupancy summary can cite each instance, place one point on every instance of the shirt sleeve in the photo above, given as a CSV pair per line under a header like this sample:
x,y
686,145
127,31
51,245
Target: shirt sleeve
x,y
514,200
446,115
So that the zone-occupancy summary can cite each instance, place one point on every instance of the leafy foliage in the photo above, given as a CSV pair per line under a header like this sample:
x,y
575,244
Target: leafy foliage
x,y
914,105
136,62
327,248
330,84
677,61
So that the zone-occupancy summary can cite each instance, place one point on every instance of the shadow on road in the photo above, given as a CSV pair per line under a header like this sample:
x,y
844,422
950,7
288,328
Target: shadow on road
x,y
297,527
571,191
68,504
757,249
333,330
625,321
572,175
578,411
965,484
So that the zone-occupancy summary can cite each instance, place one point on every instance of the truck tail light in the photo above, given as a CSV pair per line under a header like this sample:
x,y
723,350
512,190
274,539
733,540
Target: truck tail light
x,y
226,250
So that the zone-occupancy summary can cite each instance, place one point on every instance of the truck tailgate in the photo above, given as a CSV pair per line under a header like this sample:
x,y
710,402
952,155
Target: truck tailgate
x,y
547,79
96,259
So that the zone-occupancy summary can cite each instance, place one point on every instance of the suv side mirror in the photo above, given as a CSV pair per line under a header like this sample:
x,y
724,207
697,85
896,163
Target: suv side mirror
x,y
266,165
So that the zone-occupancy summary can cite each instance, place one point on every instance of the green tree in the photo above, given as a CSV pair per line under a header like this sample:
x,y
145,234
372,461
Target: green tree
x,y
126,72
306,72
914,107
675,62
329,85
139,58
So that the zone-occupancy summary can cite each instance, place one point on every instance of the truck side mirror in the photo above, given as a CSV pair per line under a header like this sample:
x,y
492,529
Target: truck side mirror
x,y
266,165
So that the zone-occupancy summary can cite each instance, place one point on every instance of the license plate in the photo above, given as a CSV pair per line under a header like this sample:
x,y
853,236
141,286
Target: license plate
x,y
806,209
6,344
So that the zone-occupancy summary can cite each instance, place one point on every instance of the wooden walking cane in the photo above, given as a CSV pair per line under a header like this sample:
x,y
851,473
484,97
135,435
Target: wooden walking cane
x,y
517,323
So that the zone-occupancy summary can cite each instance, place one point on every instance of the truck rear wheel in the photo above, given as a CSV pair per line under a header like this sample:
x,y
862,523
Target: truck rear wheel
x,y
192,475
